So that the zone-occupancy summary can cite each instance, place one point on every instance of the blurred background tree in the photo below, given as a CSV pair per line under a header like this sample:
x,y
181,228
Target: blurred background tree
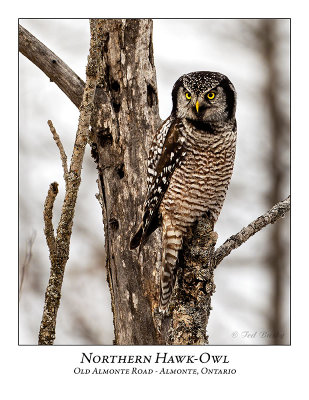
x,y
253,283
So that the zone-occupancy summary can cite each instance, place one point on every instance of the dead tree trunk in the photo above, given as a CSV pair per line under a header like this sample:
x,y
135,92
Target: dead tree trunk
x,y
125,119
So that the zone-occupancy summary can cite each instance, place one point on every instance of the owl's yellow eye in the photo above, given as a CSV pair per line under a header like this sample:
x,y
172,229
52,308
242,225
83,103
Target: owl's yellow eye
x,y
188,96
211,95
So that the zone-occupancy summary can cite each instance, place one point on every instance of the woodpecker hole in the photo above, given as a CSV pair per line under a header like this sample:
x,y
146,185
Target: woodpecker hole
x,y
120,171
115,86
105,41
114,224
105,138
116,107
151,96
94,152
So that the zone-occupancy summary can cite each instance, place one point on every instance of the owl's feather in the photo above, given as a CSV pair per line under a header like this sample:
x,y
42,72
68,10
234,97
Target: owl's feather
x,y
190,165
165,157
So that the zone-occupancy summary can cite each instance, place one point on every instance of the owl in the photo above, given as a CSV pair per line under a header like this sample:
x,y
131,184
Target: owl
x,y
190,165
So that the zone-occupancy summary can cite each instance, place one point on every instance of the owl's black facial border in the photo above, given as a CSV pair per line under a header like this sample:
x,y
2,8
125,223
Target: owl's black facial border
x,y
176,88
230,97
202,125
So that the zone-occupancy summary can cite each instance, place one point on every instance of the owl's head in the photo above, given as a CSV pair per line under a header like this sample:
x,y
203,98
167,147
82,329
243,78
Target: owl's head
x,y
204,96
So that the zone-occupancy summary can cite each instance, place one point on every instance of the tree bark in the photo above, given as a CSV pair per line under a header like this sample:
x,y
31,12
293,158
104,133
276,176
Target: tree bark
x,y
191,302
126,118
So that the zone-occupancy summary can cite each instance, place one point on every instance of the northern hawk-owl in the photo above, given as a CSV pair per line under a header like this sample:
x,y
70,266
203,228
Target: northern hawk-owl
x,y
190,165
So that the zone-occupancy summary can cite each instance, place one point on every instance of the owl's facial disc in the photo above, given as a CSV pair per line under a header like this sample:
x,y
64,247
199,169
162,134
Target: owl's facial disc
x,y
193,106
211,105
199,107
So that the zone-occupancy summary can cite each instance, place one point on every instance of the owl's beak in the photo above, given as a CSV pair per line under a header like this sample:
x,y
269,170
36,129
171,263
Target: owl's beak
x,y
197,105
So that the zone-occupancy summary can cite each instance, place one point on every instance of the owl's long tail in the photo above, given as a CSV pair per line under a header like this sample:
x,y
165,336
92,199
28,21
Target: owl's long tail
x,y
172,243
136,239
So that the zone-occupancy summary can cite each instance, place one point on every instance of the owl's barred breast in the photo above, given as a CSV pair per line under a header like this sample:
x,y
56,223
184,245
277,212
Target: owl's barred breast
x,y
190,165
200,183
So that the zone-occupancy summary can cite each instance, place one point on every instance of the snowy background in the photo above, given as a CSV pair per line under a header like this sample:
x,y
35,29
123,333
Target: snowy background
x,y
246,283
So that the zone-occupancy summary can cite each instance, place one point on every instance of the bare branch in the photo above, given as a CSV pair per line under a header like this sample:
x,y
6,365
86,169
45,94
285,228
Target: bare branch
x,y
279,210
48,218
64,230
61,150
58,71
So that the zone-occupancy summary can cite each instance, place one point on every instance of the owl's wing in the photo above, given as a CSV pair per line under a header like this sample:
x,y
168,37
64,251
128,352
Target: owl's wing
x,y
166,153
156,149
